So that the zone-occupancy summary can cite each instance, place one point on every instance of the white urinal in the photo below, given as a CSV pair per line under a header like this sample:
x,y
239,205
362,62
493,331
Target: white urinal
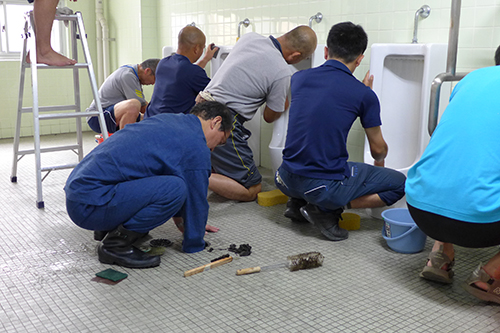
x,y
217,61
403,74
280,126
168,51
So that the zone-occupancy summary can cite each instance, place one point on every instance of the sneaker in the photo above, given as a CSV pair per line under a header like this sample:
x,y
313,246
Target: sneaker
x,y
326,222
292,210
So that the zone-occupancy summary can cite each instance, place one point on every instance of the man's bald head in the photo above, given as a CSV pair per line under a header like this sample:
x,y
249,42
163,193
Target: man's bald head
x,y
300,41
191,43
190,36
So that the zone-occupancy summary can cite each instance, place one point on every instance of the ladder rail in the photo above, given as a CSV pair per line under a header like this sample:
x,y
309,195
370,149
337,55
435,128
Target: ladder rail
x,y
93,81
17,135
36,119
77,31
76,84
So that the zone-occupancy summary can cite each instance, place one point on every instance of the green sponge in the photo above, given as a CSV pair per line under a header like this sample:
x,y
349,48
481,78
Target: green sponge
x,y
111,274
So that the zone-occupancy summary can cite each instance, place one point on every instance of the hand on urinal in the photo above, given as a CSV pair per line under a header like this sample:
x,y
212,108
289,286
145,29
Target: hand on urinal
x,y
368,80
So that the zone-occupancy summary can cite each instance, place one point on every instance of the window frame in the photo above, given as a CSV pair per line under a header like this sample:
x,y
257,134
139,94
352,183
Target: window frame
x,y
9,55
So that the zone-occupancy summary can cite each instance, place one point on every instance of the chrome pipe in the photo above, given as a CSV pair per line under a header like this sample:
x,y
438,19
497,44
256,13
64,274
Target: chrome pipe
x,y
436,94
451,66
318,17
423,12
246,23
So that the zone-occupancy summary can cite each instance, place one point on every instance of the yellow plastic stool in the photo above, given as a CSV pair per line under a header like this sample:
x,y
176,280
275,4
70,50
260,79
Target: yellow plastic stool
x,y
350,221
271,198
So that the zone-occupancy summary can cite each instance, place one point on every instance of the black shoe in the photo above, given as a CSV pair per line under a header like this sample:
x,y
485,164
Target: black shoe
x,y
117,249
326,222
100,234
292,210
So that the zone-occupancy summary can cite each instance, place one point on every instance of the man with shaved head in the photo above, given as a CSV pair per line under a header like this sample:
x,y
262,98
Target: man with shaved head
x,y
178,78
255,72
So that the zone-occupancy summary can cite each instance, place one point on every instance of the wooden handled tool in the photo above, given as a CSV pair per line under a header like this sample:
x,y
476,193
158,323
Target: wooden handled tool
x,y
259,269
293,263
207,266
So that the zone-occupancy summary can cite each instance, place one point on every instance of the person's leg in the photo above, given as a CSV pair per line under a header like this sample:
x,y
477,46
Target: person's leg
x,y
372,187
235,175
295,201
231,189
44,12
126,112
315,191
109,119
137,207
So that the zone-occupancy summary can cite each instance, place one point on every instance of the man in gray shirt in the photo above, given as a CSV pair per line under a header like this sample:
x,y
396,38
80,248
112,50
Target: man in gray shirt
x,y
121,96
255,72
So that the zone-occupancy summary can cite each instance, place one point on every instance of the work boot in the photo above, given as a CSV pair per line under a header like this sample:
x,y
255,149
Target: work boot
x,y
117,249
292,210
326,222
100,234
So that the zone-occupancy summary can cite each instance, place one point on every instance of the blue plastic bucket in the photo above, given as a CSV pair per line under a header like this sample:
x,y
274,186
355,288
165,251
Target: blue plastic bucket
x,y
401,232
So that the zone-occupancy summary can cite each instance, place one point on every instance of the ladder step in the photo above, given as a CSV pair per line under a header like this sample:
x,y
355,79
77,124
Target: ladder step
x,y
48,149
67,115
50,108
44,66
59,167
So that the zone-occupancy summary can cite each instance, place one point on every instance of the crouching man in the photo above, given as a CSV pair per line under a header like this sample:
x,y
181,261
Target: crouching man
x,y
127,188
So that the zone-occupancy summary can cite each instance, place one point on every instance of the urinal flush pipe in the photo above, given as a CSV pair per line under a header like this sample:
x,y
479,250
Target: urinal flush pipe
x,y
423,12
318,17
246,23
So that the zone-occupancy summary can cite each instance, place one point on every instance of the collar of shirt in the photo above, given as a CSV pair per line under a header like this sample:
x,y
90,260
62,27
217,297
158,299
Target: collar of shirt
x,y
276,43
337,64
135,72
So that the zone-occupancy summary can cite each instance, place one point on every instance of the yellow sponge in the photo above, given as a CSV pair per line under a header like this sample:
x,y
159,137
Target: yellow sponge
x,y
271,198
350,221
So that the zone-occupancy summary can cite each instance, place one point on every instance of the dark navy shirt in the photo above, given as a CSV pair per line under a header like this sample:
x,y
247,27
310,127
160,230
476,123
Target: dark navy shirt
x,y
326,101
178,81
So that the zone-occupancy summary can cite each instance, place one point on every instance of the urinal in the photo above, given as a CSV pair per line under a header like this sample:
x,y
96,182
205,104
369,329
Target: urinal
x,y
168,51
280,126
217,61
403,74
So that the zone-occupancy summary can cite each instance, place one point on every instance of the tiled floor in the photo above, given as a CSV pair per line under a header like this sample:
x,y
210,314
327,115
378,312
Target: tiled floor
x,y
47,265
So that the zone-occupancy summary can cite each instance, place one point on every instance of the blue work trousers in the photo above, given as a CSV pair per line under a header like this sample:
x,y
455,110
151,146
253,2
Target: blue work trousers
x,y
140,205
330,194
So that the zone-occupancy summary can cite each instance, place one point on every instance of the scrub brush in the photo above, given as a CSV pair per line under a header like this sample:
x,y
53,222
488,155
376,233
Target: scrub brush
x,y
293,263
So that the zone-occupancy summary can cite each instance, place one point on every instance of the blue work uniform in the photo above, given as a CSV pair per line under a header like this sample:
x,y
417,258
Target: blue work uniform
x,y
142,176
326,101
178,82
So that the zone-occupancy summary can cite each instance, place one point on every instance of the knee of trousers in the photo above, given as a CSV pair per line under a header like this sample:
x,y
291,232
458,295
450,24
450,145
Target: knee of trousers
x,y
390,197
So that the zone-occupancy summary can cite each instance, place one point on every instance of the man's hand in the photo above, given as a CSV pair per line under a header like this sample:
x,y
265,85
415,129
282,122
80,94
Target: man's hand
x,y
368,80
210,228
380,164
179,223
210,51
209,54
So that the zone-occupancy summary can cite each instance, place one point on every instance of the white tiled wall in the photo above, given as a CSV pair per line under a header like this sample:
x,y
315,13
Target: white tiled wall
x,y
385,21
141,28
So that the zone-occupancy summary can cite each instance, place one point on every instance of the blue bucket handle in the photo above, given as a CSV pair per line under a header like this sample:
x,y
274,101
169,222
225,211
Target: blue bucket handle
x,y
400,236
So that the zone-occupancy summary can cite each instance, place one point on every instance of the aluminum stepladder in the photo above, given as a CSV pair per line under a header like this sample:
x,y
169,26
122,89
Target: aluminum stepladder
x,y
77,31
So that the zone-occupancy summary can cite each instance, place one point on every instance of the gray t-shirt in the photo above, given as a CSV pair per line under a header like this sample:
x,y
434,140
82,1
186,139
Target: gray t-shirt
x,y
254,73
121,85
